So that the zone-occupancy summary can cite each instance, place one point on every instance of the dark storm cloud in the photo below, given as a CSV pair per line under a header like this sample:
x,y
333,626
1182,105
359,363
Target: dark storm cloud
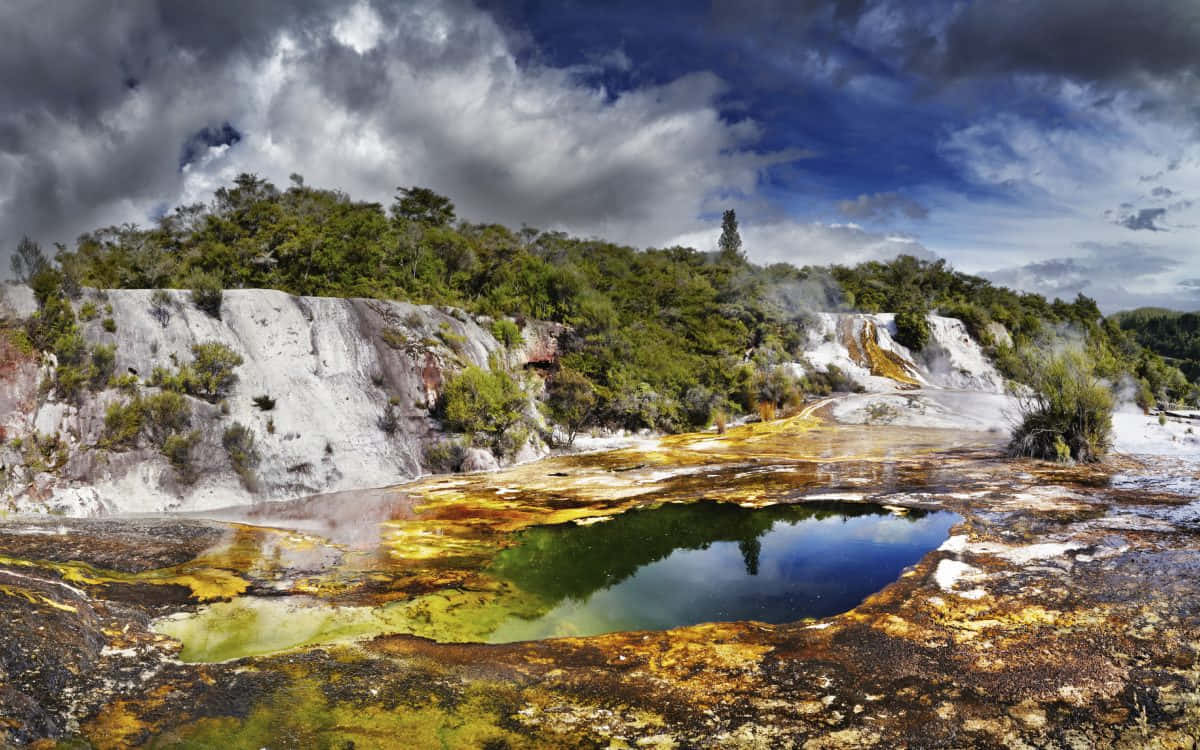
x,y
882,207
77,58
1093,41
110,110
202,140
100,101
1144,220
1088,40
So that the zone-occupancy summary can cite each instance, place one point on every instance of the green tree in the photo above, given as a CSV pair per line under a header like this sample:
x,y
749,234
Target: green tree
x,y
730,244
912,328
213,365
424,206
570,401
28,260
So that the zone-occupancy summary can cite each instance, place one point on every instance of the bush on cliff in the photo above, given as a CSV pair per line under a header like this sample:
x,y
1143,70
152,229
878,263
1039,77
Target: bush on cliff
x,y
210,375
484,404
239,442
1066,413
912,329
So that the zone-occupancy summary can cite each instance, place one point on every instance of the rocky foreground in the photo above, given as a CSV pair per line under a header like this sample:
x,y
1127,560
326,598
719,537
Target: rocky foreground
x,y
1061,612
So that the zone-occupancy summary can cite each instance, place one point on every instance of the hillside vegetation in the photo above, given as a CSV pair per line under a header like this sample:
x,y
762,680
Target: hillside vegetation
x,y
1172,334
665,338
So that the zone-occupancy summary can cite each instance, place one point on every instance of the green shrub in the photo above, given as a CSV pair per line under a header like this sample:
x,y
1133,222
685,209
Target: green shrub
x,y
1145,396
122,424
104,361
88,311
213,365
239,443
1067,412
394,337
457,342
177,449
206,293
507,332
698,406
209,375
54,320
512,440
264,402
832,380
483,403
165,413
778,387
43,453
974,319
912,329
126,382
110,325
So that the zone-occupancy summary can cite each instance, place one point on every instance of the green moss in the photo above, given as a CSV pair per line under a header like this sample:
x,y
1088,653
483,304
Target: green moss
x,y
254,626
394,338
302,714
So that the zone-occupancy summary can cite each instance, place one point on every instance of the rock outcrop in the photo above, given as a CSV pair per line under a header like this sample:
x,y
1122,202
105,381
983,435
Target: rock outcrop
x,y
863,346
347,386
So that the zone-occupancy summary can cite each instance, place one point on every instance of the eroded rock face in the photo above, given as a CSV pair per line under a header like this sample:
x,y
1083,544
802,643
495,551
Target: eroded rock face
x,y
863,346
334,369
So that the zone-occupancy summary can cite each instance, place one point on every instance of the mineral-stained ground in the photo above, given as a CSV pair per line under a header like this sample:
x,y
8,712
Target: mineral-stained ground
x,y
1063,611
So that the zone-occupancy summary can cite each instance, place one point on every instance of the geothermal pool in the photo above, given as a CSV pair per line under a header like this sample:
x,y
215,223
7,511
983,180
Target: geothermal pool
x,y
648,569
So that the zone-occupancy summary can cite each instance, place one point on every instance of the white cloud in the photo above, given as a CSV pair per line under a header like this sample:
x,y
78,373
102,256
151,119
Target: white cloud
x,y
1057,192
360,30
429,94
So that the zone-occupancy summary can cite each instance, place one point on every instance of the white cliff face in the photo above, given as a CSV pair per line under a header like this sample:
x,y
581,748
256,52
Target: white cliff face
x,y
953,359
863,346
332,367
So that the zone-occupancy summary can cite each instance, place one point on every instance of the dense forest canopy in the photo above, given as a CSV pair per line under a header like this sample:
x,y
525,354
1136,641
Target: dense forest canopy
x,y
666,337
1175,335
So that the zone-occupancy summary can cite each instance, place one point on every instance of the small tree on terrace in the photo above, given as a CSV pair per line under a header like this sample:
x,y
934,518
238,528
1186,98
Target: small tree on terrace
x,y
570,401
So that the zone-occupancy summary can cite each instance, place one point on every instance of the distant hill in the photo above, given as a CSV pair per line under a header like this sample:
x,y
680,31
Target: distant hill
x,y
1172,334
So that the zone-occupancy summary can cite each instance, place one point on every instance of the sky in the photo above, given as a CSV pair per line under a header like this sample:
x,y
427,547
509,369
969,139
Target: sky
x,y
1049,145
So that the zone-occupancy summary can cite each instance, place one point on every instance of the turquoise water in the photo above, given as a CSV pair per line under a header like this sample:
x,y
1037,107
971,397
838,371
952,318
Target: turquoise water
x,y
709,562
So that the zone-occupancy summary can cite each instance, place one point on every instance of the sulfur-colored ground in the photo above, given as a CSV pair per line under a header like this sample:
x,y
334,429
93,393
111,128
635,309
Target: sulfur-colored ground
x,y
1062,612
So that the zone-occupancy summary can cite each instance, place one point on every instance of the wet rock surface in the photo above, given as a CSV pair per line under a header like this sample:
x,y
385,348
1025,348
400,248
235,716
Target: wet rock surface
x,y
1061,612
